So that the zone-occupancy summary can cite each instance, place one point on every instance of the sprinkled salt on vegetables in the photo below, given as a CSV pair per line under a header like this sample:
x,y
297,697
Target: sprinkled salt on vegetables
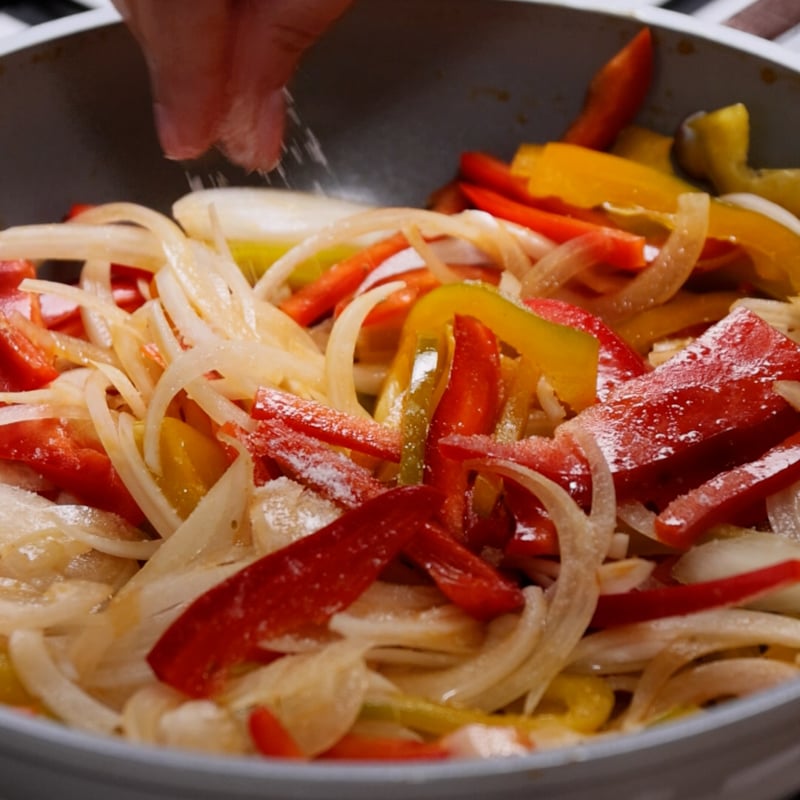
x,y
289,476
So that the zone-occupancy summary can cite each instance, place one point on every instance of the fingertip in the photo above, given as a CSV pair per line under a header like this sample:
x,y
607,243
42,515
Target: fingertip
x,y
252,132
179,142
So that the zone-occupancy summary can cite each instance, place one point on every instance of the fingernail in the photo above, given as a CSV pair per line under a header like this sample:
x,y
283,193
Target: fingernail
x,y
174,141
252,134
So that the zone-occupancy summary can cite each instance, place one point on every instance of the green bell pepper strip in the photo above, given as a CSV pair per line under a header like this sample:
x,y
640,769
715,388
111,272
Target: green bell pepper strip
x,y
418,408
566,357
588,178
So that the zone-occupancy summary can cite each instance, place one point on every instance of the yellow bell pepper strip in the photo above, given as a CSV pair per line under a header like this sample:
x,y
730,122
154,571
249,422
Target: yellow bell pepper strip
x,y
731,496
714,146
328,424
482,169
627,608
588,178
707,408
300,585
645,146
615,94
617,362
469,404
418,408
318,298
471,583
269,736
684,312
191,463
619,248
565,356
587,701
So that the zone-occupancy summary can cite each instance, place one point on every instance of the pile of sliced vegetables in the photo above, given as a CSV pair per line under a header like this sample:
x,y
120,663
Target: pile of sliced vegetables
x,y
293,477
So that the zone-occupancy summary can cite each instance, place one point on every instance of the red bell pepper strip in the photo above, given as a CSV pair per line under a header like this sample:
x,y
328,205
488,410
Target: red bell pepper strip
x,y
627,608
615,95
706,409
269,735
12,298
64,316
464,577
390,314
313,463
301,585
484,170
394,309
617,361
57,451
23,364
76,209
617,247
448,199
329,425
727,495
318,298
355,747
469,404
535,532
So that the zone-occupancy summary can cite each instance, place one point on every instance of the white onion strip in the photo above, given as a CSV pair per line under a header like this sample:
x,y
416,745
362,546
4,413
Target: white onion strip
x,y
505,253
41,676
340,351
668,272
78,242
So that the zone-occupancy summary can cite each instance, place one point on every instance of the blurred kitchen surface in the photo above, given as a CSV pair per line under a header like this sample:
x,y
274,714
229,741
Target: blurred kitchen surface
x,y
16,15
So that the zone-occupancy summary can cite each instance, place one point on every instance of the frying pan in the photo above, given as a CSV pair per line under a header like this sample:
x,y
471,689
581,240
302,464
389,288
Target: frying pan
x,y
382,107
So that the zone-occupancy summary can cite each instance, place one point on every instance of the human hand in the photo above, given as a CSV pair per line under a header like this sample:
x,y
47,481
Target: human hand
x,y
218,70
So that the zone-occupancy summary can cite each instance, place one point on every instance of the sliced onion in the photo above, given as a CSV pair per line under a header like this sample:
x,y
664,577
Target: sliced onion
x,y
78,242
260,214
41,676
726,678
761,205
340,352
724,557
317,696
471,683
668,272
